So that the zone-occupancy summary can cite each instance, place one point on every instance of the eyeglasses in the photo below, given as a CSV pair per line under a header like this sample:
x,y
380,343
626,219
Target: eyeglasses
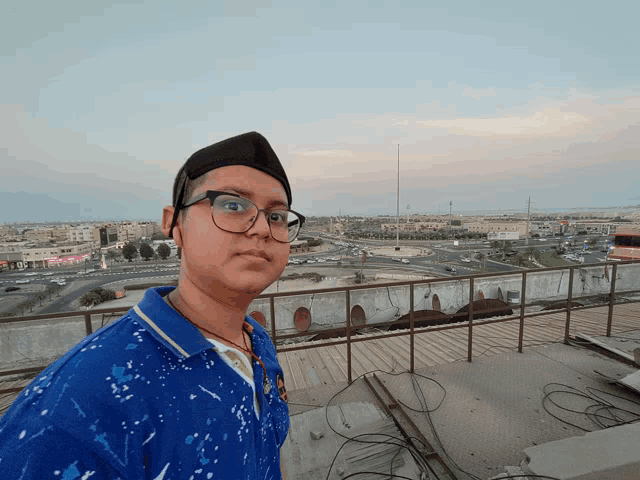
x,y
235,214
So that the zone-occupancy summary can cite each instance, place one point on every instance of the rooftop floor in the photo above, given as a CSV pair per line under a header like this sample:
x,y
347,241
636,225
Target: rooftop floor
x,y
485,412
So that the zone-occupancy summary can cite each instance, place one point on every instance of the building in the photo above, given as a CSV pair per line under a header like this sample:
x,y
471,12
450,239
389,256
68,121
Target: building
x,y
45,256
107,234
496,227
132,231
626,244
430,226
42,235
81,233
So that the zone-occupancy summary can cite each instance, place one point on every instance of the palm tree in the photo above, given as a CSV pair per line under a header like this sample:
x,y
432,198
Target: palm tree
x,y
482,258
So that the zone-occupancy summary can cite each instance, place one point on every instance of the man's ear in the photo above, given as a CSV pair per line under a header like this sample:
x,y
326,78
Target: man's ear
x,y
167,217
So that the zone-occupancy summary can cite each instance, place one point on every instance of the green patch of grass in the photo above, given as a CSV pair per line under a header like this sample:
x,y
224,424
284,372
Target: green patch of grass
x,y
144,286
550,259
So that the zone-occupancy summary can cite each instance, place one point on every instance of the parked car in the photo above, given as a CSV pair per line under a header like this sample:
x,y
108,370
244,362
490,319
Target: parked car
x,y
62,283
23,281
11,289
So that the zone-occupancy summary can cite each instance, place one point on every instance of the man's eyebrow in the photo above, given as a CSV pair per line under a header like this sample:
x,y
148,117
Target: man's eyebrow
x,y
250,195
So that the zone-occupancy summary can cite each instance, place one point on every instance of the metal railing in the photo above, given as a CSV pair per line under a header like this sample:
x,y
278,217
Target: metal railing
x,y
349,329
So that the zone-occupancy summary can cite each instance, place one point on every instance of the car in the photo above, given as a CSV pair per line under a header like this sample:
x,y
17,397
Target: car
x,y
23,281
30,274
466,260
48,274
311,261
11,289
80,273
404,260
542,239
397,260
451,269
437,246
62,283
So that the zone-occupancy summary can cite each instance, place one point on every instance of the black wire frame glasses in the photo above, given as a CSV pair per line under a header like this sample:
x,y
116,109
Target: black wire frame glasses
x,y
236,214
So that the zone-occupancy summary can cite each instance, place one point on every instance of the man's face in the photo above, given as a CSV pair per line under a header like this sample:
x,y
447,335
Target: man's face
x,y
215,259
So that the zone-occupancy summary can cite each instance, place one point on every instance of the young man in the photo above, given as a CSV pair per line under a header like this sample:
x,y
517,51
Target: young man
x,y
185,385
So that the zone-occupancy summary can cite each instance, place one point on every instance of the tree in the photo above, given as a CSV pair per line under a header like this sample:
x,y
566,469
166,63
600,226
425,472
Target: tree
x,y
164,251
113,254
129,251
146,251
482,258
51,289
41,296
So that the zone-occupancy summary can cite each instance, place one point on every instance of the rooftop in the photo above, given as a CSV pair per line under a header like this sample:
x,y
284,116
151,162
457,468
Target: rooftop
x,y
494,390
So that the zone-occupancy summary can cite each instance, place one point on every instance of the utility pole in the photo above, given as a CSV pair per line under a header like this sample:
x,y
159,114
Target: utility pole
x,y
398,205
526,238
450,222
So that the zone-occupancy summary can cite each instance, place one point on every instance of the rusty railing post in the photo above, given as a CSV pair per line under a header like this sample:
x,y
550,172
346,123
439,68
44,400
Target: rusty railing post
x,y
272,309
614,274
87,323
348,335
470,339
411,339
569,300
522,302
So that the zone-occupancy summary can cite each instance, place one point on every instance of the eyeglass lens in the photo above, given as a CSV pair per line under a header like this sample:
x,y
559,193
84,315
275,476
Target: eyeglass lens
x,y
237,215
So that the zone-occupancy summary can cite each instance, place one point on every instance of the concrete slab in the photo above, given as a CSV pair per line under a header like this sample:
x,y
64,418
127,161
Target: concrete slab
x,y
492,409
605,454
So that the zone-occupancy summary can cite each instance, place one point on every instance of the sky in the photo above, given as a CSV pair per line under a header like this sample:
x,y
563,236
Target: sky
x,y
482,104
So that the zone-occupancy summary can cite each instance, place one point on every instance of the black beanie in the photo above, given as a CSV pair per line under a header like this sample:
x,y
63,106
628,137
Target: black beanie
x,y
250,149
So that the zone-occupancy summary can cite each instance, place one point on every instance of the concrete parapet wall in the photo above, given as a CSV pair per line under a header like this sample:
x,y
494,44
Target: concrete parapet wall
x,y
39,342
382,304
28,343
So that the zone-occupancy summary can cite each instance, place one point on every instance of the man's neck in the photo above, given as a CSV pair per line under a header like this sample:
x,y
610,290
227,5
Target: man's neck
x,y
222,315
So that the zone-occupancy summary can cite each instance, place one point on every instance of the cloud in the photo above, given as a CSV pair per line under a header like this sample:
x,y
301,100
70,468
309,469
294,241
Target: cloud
x,y
550,121
327,153
478,93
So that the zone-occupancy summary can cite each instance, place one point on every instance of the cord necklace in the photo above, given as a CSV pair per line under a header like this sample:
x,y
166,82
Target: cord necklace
x,y
266,383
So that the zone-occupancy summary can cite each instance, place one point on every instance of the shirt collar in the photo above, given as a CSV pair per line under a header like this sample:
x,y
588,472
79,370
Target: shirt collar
x,y
170,328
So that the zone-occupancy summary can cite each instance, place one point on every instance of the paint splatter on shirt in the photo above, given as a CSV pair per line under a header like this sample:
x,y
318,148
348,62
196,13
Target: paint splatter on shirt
x,y
156,400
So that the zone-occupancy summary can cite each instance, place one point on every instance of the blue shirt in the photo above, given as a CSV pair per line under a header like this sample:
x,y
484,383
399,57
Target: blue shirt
x,y
147,397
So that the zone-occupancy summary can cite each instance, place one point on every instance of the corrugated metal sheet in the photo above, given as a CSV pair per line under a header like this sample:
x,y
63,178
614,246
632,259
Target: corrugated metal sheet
x,y
328,364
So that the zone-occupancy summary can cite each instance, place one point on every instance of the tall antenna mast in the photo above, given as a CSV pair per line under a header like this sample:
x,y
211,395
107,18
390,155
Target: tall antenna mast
x,y
398,205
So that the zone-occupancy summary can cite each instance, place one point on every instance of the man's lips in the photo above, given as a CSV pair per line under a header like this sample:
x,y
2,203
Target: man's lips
x,y
256,253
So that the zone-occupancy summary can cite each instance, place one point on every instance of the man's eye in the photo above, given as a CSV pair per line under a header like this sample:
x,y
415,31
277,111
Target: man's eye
x,y
277,217
234,206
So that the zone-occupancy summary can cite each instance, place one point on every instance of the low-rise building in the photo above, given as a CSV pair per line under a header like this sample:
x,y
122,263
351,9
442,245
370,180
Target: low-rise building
x,y
496,227
45,256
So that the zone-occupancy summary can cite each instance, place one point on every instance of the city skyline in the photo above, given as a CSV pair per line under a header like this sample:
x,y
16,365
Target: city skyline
x,y
490,105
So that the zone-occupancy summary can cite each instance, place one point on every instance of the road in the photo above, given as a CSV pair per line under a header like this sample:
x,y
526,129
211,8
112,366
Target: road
x,y
445,255
78,285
